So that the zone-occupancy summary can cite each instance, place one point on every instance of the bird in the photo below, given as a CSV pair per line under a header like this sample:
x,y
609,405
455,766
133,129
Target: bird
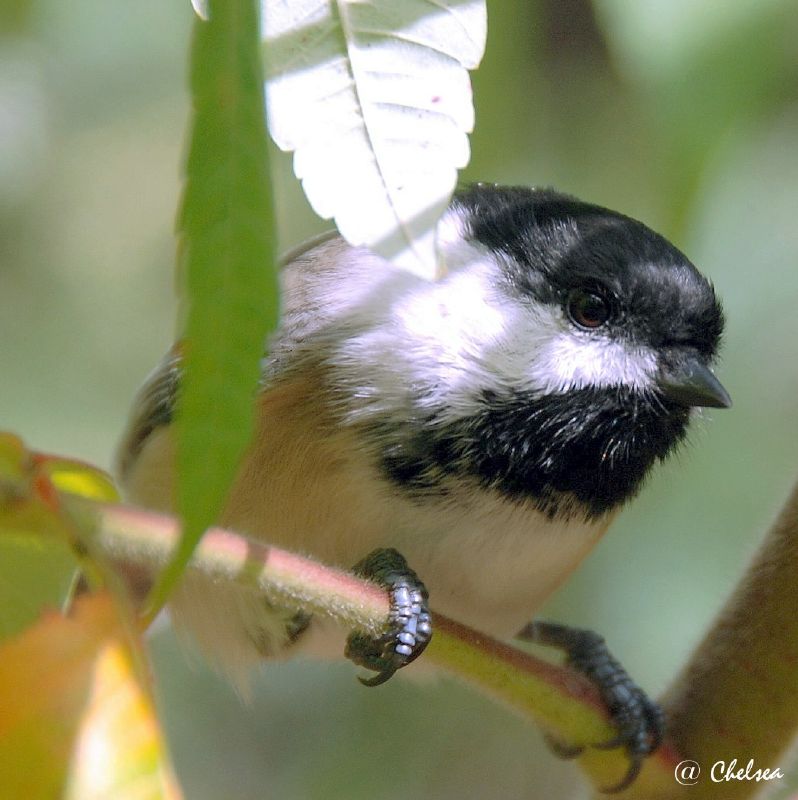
x,y
484,429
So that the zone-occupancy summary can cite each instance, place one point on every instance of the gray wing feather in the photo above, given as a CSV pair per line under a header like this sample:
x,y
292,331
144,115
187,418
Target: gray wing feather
x,y
153,407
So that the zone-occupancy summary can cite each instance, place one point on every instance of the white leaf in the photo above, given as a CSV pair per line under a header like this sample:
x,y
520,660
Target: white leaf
x,y
201,8
374,99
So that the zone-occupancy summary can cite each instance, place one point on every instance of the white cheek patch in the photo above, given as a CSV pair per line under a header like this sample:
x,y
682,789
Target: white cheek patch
x,y
464,338
453,323
441,346
444,335
571,360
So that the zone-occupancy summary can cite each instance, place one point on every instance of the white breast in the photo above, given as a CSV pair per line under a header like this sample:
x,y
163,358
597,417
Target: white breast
x,y
490,562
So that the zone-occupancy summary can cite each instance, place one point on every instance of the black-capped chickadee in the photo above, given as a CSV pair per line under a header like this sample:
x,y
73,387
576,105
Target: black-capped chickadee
x,y
488,426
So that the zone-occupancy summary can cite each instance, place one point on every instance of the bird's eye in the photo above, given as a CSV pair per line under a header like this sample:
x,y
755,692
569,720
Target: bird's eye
x,y
587,309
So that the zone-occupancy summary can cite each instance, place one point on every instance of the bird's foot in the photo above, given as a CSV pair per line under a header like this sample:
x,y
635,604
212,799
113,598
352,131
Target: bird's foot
x,y
639,720
410,627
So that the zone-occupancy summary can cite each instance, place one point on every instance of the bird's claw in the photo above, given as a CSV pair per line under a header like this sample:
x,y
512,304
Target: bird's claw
x,y
410,627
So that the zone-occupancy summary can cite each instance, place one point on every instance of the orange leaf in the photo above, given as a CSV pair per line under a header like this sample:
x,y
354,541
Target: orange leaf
x,y
76,717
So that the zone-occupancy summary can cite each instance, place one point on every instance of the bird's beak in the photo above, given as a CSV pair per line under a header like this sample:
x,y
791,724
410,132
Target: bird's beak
x,y
692,383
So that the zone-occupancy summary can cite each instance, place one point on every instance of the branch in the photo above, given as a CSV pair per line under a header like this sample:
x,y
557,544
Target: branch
x,y
561,701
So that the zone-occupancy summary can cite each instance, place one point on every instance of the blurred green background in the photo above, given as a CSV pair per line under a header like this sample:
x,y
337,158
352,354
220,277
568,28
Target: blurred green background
x,y
681,113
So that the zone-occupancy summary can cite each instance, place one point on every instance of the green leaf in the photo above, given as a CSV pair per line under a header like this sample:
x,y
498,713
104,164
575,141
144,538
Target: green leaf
x,y
226,266
375,101
35,572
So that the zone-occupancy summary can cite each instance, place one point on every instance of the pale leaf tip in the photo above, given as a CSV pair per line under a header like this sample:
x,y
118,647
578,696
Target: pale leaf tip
x,y
201,9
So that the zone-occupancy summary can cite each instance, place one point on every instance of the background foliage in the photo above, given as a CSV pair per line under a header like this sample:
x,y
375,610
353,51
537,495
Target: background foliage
x,y
682,114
